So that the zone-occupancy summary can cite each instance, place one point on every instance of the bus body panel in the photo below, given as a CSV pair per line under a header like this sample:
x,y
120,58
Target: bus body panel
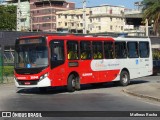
x,y
89,71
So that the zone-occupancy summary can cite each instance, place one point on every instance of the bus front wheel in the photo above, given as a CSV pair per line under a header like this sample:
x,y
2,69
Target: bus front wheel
x,y
124,78
73,83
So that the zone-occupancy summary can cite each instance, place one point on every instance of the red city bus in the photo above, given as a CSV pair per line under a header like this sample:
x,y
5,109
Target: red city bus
x,y
69,60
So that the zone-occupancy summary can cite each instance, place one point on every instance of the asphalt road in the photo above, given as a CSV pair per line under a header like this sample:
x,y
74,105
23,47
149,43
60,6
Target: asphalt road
x,y
106,98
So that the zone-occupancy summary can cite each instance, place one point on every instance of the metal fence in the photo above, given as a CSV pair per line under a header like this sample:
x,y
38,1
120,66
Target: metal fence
x,y
6,71
1,67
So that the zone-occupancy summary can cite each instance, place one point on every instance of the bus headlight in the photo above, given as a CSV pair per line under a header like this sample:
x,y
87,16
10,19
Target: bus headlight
x,y
43,76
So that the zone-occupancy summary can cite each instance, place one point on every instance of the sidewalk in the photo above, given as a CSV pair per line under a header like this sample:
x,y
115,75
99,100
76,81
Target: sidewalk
x,y
7,80
146,90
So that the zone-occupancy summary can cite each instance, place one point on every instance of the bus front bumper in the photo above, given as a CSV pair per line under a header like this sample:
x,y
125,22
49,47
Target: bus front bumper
x,y
46,82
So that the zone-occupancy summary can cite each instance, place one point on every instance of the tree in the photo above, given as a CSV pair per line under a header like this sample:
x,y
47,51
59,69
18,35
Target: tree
x,y
152,13
8,17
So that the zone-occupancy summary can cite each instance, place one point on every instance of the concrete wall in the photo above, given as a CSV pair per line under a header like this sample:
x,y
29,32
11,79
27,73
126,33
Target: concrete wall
x,y
7,38
155,42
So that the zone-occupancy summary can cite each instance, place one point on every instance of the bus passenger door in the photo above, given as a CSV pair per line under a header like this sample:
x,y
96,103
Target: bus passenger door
x,y
145,58
57,61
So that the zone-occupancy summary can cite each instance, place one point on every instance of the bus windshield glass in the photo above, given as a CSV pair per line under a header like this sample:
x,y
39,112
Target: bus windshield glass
x,y
31,56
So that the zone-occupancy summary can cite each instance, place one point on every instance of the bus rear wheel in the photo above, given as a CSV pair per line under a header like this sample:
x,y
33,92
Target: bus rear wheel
x,y
124,78
73,83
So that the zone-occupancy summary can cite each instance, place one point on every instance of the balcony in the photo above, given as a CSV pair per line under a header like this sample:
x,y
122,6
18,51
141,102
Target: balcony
x,y
107,15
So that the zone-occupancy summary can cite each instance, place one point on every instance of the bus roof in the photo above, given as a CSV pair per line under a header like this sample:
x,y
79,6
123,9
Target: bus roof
x,y
70,37
88,37
132,39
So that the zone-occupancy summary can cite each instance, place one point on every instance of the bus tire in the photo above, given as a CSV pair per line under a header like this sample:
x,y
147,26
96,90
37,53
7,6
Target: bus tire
x,y
124,78
73,83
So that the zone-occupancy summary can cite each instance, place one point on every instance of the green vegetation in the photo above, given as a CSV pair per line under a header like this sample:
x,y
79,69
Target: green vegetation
x,y
8,70
8,17
156,54
152,13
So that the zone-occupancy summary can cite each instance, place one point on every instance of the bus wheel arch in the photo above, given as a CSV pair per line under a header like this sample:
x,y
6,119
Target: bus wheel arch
x,y
73,82
124,77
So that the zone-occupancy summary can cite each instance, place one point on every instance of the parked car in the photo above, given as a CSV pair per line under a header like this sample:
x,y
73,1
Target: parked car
x,y
156,67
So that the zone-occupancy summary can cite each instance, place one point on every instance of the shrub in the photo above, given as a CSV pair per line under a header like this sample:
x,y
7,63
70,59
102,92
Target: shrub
x,y
8,70
156,54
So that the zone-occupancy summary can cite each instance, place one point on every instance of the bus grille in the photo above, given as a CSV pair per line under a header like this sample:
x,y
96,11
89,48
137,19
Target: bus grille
x,y
27,82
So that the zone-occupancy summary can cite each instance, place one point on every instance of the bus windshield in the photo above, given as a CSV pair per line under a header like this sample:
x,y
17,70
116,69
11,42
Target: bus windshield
x,y
31,56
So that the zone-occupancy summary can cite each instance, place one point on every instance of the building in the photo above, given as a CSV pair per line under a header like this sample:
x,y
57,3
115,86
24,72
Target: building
x,y
99,19
23,16
133,23
71,21
107,18
43,13
23,13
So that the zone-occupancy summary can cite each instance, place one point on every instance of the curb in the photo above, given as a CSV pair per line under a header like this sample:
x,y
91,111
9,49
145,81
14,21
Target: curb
x,y
6,83
141,96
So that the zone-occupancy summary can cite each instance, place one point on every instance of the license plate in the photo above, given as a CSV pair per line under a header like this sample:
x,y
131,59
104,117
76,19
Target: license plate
x,y
27,83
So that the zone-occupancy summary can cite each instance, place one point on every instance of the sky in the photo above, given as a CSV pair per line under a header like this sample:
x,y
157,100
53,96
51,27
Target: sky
x,y
91,3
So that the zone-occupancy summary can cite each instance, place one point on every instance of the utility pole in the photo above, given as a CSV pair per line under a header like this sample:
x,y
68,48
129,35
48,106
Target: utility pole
x,y
51,15
146,24
84,16
31,22
18,16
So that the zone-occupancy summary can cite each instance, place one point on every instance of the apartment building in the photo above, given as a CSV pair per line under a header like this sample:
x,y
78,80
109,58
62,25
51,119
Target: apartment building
x,y
72,21
134,24
99,19
106,18
43,13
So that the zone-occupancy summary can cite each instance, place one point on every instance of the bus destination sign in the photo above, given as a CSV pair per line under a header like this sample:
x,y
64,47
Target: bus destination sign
x,y
30,41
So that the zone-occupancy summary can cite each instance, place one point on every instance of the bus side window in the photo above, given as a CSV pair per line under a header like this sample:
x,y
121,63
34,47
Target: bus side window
x,y
109,50
144,49
120,50
97,50
132,49
85,48
72,50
